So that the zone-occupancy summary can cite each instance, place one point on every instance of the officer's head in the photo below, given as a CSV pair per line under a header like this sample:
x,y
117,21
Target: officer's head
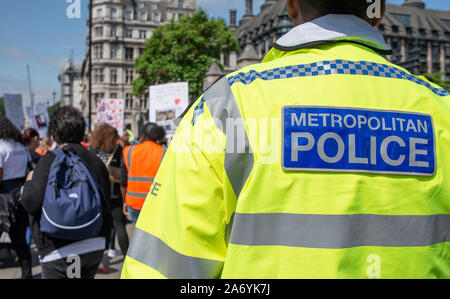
x,y
146,132
302,11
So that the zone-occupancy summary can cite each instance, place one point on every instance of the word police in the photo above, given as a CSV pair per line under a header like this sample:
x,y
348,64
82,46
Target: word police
x,y
357,140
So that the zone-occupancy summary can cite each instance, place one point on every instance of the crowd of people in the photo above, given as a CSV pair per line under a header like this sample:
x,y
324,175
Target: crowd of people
x,y
119,163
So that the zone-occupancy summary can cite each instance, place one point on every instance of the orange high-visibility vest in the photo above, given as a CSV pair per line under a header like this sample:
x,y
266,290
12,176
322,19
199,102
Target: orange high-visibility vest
x,y
142,162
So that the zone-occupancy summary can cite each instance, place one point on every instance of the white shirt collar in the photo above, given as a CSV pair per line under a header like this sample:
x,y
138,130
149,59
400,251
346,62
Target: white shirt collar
x,y
330,28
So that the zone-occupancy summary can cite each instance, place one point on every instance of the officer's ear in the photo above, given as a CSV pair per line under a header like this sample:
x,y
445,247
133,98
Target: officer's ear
x,y
375,21
293,10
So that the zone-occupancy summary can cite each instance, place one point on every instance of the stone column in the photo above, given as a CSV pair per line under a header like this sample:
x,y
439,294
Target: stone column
x,y
429,58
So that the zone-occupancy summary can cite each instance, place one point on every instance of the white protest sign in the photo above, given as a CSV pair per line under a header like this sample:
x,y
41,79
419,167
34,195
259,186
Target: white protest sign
x,y
111,111
39,118
167,102
14,110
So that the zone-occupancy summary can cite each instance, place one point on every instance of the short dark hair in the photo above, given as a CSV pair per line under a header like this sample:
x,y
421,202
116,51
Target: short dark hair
x,y
147,130
29,134
324,7
8,130
158,133
67,125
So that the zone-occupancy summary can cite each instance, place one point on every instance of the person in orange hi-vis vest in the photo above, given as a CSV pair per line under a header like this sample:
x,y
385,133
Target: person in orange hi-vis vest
x,y
141,163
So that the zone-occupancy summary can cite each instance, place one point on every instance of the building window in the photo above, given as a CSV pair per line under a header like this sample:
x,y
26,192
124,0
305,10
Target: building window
x,y
128,15
99,31
113,76
180,3
142,16
113,30
435,33
98,75
128,33
422,32
113,95
436,49
395,29
99,13
114,13
142,34
381,27
114,50
409,31
156,17
141,103
141,51
99,96
98,51
127,100
129,53
129,76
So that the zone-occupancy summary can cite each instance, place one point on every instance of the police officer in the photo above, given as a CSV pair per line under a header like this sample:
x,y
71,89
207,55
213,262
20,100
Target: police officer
x,y
324,161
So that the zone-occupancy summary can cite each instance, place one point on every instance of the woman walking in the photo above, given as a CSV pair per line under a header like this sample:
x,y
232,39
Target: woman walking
x,y
14,166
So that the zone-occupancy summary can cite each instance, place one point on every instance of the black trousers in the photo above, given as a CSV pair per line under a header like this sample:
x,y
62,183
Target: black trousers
x,y
119,222
68,268
18,230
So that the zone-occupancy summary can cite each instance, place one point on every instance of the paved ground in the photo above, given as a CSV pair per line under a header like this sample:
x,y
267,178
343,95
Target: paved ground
x,y
9,268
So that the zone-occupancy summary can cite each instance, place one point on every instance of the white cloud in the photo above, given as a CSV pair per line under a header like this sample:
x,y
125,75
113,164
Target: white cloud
x,y
12,52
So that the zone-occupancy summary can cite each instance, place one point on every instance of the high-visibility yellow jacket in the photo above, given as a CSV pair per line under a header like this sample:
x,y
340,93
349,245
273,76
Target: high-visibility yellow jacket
x,y
323,161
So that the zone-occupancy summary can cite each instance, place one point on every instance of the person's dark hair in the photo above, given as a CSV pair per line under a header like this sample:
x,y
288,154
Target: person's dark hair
x,y
147,130
157,133
8,130
67,125
29,134
317,8
104,138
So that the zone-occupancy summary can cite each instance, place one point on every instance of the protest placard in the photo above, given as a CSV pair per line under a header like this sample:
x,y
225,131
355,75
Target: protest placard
x,y
111,111
14,110
167,102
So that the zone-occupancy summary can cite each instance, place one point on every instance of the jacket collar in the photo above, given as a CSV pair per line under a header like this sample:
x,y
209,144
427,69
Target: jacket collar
x,y
333,28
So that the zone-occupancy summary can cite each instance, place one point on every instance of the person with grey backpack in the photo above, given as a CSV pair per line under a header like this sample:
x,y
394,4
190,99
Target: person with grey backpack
x,y
68,198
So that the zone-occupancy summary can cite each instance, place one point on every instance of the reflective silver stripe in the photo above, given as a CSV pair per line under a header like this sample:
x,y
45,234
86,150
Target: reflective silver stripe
x,y
339,231
154,253
140,179
129,157
136,194
239,160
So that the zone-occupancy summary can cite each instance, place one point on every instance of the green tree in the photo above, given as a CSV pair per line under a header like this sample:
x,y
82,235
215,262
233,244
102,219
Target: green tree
x,y
437,79
53,108
183,51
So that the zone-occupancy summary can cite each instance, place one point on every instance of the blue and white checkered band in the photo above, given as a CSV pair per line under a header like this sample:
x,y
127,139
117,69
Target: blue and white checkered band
x,y
337,139
324,68
199,109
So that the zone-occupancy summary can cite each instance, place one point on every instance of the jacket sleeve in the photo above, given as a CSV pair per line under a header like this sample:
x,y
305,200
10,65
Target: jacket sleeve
x,y
34,190
181,231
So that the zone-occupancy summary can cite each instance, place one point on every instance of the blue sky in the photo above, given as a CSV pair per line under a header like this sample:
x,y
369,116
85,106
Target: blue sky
x,y
39,33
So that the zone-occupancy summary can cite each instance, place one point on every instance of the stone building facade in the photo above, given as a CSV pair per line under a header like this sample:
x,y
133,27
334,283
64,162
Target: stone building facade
x,y
419,37
71,84
119,30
